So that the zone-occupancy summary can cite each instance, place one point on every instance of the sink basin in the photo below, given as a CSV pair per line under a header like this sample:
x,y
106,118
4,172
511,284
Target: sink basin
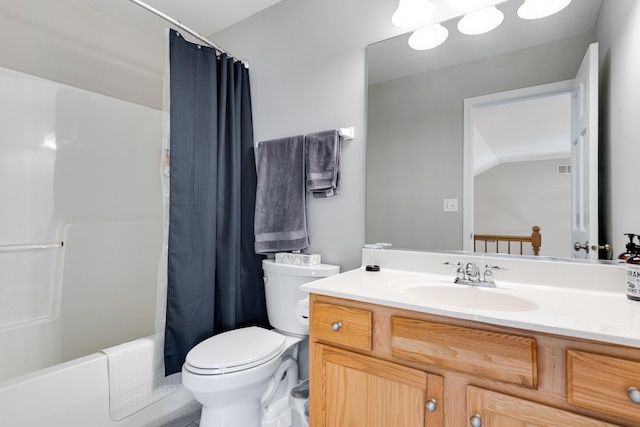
x,y
440,292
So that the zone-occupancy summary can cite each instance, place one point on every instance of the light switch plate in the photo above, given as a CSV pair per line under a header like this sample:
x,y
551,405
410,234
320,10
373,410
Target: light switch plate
x,y
451,205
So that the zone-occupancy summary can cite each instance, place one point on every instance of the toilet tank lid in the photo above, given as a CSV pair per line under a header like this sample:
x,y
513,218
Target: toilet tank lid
x,y
237,349
318,270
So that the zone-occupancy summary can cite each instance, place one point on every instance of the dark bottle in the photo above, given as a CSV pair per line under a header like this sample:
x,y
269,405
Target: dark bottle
x,y
632,248
633,275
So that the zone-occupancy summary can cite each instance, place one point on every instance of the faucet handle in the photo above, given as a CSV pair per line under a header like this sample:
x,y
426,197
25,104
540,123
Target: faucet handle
x,y
460,271
451,263
488,273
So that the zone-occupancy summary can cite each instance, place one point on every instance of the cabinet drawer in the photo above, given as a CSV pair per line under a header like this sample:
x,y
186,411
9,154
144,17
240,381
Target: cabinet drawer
x,y
337,324
496,409
601,383
500,356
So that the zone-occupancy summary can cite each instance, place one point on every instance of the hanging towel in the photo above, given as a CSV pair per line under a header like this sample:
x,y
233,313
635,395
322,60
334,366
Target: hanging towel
x,y
281,216
322,162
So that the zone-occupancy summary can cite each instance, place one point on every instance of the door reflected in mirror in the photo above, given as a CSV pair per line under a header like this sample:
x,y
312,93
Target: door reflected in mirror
x,y
520,149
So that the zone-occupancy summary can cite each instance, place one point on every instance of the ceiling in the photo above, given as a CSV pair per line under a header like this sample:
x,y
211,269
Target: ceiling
x,y
535,128
205,17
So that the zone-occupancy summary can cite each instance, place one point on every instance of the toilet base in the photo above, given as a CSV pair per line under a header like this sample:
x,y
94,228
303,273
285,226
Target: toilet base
x,y
237,414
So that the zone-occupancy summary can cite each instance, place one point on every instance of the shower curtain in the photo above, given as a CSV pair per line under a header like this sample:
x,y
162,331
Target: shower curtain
x,y
214,276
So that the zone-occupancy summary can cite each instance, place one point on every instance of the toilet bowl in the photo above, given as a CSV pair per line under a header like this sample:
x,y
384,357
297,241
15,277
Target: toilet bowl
x,y
244,377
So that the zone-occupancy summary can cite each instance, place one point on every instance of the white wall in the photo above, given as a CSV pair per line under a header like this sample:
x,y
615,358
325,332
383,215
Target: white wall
x,y
508,198
308,74
619,33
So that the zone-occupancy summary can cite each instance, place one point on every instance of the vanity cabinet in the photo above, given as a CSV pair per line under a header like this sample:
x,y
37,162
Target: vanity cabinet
x,y
354,389
359,390
488,408
604,383
374,365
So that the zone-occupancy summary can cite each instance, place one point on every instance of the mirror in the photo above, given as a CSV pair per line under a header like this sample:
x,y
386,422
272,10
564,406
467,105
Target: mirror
x,y
416,112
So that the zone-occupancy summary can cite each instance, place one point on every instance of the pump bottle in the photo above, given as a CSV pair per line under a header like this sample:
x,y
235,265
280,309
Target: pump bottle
x,y
633,273
631,248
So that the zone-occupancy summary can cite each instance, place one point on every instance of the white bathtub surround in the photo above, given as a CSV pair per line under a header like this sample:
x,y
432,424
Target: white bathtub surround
x,y
136,376
73,176
81,168
575,299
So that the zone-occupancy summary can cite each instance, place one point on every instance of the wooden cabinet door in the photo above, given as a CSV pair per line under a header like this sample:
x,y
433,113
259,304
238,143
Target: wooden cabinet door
x,y
491,409
353,390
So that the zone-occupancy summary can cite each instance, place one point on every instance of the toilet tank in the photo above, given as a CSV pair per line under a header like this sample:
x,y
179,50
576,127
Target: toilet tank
x,y
282,291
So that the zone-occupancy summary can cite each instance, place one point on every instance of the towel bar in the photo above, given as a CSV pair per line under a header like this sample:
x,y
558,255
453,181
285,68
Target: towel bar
x,y
346,133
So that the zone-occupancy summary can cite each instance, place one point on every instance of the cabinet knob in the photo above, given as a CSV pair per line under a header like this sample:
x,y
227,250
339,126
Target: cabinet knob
x,y
431,405
335,326
634,395
476,420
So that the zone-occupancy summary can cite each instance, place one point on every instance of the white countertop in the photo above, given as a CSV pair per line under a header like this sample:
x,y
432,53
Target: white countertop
x,y
598,312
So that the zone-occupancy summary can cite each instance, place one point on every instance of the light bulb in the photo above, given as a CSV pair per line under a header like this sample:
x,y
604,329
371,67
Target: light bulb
x,y
535,9
481,21
429,37
413,13
462,4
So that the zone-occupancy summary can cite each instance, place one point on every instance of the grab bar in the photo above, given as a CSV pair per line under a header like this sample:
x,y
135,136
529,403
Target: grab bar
x,y
30,247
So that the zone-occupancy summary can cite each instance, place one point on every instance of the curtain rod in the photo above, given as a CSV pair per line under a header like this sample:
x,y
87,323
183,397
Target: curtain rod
x,y
179,25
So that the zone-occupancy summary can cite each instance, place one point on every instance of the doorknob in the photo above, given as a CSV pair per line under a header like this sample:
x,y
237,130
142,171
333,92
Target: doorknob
x,y
577,246
606,247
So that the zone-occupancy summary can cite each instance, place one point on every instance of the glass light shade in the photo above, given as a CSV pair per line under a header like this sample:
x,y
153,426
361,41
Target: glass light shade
x,y
481,21
535,9
462,4
429,37
413,13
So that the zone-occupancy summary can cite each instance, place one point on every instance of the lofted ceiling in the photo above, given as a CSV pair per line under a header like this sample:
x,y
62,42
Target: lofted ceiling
x,y
523,130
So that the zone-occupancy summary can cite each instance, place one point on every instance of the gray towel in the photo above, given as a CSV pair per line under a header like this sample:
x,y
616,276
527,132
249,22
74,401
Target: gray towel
x,y
281,216
322,161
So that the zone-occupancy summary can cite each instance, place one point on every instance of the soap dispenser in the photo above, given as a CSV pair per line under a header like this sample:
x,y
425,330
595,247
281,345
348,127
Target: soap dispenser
x,y
633,274
632,249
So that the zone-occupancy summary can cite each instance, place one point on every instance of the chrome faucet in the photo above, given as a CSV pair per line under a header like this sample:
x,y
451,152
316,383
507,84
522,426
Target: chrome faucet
x,y
469,274
472,271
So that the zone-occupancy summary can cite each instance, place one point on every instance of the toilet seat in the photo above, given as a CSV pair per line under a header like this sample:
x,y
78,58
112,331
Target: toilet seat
x,y
234,351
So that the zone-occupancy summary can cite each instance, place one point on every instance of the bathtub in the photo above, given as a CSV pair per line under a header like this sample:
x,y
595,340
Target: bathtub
x,y
76,393
51,369
80,242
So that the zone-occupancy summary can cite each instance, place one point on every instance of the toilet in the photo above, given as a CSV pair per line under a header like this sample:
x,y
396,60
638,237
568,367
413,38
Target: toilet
x,y
244,377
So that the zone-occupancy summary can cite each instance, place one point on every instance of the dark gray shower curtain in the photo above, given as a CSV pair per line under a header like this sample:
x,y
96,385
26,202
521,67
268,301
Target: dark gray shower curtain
x,y
214,277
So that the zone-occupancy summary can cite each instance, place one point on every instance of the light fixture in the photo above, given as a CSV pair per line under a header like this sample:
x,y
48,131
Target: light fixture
x,y
481,21
535,9
462,4
413,13
428,37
